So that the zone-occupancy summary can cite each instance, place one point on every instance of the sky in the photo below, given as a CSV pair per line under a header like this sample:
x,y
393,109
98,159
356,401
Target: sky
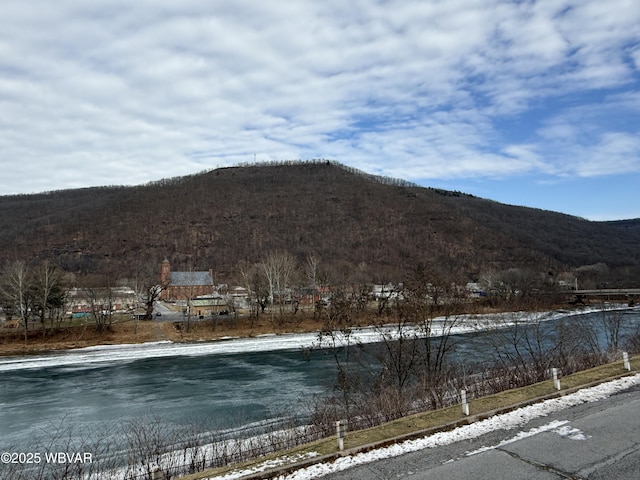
x,y
533,103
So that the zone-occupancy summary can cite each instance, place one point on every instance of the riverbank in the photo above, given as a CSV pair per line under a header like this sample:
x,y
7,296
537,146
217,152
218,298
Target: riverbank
x,y
128,331
228,386
506,410
131,331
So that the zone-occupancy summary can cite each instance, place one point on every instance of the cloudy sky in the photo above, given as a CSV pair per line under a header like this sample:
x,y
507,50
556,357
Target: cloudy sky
x,y
531,103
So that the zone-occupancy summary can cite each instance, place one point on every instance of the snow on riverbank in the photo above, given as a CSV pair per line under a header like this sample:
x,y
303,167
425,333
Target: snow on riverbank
x,y
506,421
130,352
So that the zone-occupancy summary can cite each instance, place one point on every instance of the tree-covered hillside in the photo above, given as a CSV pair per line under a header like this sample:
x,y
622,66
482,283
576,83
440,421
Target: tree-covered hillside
x,y
361,227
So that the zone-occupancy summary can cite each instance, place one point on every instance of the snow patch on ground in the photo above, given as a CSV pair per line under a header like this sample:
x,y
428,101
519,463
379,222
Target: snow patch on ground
x,y
114,354
506,421
571,433
553,426
559,427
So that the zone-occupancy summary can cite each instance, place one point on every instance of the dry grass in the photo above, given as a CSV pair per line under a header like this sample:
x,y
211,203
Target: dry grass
x,y
77,334
422,424
125,330
208,329
129,331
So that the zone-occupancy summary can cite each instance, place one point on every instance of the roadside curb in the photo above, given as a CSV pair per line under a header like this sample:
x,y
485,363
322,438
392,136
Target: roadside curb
x,y
287,469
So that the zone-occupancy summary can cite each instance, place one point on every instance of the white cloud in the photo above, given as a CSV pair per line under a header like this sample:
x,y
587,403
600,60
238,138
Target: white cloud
x,y
634,55
120,92
619,152
597,139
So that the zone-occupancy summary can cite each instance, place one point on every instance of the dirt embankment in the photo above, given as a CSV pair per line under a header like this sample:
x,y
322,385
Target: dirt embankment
x,y
12,341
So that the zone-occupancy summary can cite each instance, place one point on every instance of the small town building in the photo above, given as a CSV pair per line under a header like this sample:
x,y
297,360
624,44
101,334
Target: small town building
x,y
86,300
209,305
180,286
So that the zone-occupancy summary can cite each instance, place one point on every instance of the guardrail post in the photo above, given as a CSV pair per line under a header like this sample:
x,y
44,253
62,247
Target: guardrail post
x,y
465,404
341,427
556,381
625,359
157,473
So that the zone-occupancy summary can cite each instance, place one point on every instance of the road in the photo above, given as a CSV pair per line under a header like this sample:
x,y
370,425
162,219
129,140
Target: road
x,y
162,313
594,441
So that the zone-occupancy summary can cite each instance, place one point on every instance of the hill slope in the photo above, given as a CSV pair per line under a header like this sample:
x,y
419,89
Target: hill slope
x,y
359,225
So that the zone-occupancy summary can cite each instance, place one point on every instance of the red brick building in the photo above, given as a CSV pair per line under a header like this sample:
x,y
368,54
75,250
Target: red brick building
x,y
184,285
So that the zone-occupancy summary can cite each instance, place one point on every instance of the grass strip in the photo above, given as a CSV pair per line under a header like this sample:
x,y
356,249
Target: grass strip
x,y
422,424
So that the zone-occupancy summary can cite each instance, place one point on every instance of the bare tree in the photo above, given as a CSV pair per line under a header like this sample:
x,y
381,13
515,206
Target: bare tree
x,y
101,306
417,347
410,363
147,287
527,346
399,357
100,293
48,293
278,268
387,293
311,269
592,276
252,280
612,325
149,440
336,337
17,291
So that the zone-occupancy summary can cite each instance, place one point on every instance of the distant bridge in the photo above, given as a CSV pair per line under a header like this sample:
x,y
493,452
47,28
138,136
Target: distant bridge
x,y
628,294
611,292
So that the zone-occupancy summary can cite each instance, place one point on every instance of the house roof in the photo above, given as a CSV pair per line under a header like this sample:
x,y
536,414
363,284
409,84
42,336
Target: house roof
x,y
208,302
190,279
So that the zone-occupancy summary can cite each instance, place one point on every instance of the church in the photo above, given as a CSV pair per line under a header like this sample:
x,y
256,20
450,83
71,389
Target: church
x,y
184,285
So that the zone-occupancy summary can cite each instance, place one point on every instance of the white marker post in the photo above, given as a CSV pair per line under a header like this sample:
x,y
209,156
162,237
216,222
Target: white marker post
x,y
625,359
340,431
156,473
465,404
556,382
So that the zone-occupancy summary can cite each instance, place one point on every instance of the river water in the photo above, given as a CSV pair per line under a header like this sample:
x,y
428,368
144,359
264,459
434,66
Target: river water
x,y
223,384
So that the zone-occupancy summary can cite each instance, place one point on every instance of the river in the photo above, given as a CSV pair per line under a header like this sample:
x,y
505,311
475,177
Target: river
x,y
223,384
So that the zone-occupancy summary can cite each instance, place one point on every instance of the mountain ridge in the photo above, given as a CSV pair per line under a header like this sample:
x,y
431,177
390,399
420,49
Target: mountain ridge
x,y
361,226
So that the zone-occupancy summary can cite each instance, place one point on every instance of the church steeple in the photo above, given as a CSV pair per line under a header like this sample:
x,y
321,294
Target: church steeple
x,y
165,272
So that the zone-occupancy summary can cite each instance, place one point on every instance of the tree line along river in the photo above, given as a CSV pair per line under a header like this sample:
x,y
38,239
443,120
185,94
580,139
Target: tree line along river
x,y
218,385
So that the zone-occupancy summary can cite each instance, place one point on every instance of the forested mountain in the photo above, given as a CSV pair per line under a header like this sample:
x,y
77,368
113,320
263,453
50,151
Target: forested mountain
x,y
361,227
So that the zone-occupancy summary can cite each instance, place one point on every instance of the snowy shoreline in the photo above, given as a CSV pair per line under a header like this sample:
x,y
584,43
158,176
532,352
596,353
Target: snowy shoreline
x,y
506,421
129,352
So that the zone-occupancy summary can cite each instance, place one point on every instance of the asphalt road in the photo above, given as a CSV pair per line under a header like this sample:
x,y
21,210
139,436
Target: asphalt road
x,y
599,440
